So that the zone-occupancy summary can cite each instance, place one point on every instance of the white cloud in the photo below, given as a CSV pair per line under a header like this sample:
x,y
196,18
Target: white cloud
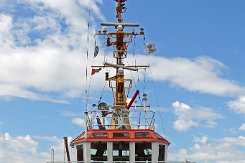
x,y
5,31
238,105
231,141
187,117
202,74
78,121
184,125
68,114
242,127
45,52
24,149
201,139
228,149
211,124
71,9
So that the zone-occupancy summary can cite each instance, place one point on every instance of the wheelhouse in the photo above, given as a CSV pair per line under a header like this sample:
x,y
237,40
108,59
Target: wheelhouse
x,y
139,145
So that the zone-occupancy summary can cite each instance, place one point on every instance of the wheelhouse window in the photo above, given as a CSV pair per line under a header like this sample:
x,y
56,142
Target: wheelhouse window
x,y
121,135
98,151
99,134
143,151
120,151
161,156
142,134
80,152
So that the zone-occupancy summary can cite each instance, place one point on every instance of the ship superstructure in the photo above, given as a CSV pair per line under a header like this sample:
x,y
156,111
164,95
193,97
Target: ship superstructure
x,y
122,131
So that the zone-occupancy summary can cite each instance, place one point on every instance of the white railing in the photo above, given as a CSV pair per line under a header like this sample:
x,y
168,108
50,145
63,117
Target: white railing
x,y
138,118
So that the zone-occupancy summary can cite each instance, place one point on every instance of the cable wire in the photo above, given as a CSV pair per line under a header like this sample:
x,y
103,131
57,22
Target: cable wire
x,y
87,57
158,106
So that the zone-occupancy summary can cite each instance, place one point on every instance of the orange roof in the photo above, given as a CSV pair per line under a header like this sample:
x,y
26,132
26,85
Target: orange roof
x,y
132,135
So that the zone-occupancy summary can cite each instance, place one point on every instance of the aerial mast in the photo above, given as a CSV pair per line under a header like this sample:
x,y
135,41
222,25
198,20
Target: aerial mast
x,y
119,140
119,40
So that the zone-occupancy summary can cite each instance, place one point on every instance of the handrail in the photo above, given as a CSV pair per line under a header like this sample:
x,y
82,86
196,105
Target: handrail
x,y
139,119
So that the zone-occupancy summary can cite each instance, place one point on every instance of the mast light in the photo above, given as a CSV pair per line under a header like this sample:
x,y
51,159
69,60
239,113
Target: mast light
x,y
144,97
104,30
120,28
142,31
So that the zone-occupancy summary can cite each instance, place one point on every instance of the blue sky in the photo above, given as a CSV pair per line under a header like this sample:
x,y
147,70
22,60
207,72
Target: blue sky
x,y
197,71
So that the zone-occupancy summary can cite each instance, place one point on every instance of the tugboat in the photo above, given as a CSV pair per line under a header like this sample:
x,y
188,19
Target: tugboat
x,y
123,131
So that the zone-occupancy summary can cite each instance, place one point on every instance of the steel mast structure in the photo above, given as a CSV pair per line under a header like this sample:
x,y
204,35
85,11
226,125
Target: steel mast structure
x,y
121,132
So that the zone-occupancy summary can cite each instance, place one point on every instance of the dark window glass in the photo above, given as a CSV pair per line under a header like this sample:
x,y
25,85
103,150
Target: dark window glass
x,y
120,151
161,156
80,153
98,151
142,134
143,151
99,134
122,135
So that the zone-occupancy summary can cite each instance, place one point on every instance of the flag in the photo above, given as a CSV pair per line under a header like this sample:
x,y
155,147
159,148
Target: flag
x,y
150,48
96,51
124,46
95,71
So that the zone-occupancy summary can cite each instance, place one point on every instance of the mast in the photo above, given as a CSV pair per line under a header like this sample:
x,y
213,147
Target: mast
x,y
119,40
120,141
120,98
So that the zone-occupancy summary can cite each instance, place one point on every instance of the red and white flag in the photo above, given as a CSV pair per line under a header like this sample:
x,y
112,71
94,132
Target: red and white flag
x,y
95,71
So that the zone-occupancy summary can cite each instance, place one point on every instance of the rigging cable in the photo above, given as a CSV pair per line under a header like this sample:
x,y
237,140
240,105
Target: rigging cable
x,y
133,81
104,52
144,82
154,86
102,92
158,106
144,41
138,75
87,57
